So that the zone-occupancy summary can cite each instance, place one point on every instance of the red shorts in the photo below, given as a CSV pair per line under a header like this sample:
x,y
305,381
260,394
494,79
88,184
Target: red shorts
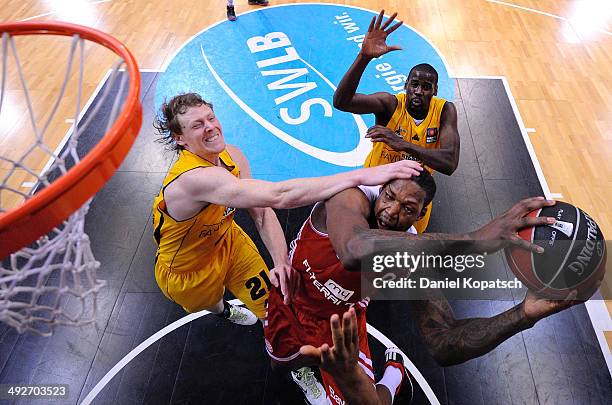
x,y
286,330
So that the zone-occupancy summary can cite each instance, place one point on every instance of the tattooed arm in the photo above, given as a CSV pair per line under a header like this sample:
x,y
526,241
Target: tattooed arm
x,y
452,341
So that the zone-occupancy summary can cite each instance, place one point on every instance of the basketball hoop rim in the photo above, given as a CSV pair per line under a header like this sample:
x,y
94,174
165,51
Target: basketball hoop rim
x,y
47,208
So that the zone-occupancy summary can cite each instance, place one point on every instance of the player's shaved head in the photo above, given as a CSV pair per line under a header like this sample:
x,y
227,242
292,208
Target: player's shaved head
x,y
425,68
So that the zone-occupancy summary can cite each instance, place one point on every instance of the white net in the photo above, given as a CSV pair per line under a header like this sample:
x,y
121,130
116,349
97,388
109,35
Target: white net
x,y
54,280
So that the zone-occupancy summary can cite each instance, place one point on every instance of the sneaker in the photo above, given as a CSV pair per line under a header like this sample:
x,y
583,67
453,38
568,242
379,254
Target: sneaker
x,y
241,316
231,14
258,2
394,358
313,390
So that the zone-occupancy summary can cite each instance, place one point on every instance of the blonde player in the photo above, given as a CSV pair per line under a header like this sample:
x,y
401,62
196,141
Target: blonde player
x,y
201,250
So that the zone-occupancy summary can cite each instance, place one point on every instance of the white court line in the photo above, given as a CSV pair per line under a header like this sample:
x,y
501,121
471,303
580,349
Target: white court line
x,y
140,348
519,120
53,12
192,317
418,377
533,10
597,310
530,129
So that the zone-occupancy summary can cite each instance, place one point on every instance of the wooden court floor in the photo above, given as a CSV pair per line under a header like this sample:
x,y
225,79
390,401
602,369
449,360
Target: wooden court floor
x,y
555,55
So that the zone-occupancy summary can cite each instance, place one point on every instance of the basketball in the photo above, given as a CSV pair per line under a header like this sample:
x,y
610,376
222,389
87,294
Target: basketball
x,y
574,255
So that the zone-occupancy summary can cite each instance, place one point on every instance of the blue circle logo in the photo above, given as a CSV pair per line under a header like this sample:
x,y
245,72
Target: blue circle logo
x,y
272,75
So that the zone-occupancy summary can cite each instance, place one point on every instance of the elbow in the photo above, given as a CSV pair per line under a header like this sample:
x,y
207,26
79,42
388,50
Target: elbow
x,y
349,256
443,358
339,103
449,168
349,262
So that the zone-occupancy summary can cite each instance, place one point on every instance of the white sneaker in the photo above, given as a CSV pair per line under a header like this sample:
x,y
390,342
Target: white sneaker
x,y
241,316
313,390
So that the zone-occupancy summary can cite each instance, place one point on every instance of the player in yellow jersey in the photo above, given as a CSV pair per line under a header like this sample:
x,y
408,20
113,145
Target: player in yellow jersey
x,y
413,125
201,250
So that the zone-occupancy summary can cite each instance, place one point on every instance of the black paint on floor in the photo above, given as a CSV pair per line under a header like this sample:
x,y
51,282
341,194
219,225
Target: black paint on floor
x,y
210,361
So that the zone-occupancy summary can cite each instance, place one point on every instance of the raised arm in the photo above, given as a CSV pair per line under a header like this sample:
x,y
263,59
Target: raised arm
x,y
374,45
217,186
341,361
452,341
445,159
360,243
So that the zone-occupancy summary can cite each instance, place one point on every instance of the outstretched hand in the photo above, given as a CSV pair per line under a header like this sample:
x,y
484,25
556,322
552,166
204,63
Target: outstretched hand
x,y
536,307
340,360
502,231
374,44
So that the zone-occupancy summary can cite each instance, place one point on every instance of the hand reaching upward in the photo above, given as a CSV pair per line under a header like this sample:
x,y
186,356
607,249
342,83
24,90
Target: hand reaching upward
x,y
374,43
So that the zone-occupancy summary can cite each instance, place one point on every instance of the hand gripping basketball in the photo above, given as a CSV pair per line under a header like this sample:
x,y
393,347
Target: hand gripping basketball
x,y
503,230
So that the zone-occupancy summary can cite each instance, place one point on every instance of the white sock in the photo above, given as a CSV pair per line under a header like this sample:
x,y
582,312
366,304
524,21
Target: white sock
x,y
392,378
230,3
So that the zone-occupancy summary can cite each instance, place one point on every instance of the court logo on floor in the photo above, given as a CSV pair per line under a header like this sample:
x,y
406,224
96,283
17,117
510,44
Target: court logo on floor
x,y
271,76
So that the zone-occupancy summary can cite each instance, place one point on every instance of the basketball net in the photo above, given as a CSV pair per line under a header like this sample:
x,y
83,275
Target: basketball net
x,y
52,281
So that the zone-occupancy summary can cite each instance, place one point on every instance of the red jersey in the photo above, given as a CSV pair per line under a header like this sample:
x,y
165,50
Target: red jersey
x,y
327,287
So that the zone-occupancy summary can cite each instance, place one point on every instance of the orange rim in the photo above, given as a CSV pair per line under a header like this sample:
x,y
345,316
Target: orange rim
x,y
49,207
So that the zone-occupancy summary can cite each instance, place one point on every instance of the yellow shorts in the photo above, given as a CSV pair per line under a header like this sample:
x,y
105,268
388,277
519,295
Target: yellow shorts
x,y
237,265
422,223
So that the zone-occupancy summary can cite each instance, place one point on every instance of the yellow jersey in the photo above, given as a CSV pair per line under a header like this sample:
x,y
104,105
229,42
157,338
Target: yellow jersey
x,y
426,134
191,244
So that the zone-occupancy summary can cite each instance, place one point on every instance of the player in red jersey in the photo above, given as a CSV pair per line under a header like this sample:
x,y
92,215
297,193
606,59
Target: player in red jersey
x,y
327,254
327,288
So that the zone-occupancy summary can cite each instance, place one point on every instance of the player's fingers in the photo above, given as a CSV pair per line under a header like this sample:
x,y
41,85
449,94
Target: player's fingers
x,y
529,204
274,278
347,328
536,221
407,173
379,19
354,331
283,283
389,21
523,244
394,27
327,356
336,329
373,128
311,352
371,27
394,48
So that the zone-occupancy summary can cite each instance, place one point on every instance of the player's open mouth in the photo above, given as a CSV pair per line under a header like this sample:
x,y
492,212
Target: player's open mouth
x,y
382,223
212,138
